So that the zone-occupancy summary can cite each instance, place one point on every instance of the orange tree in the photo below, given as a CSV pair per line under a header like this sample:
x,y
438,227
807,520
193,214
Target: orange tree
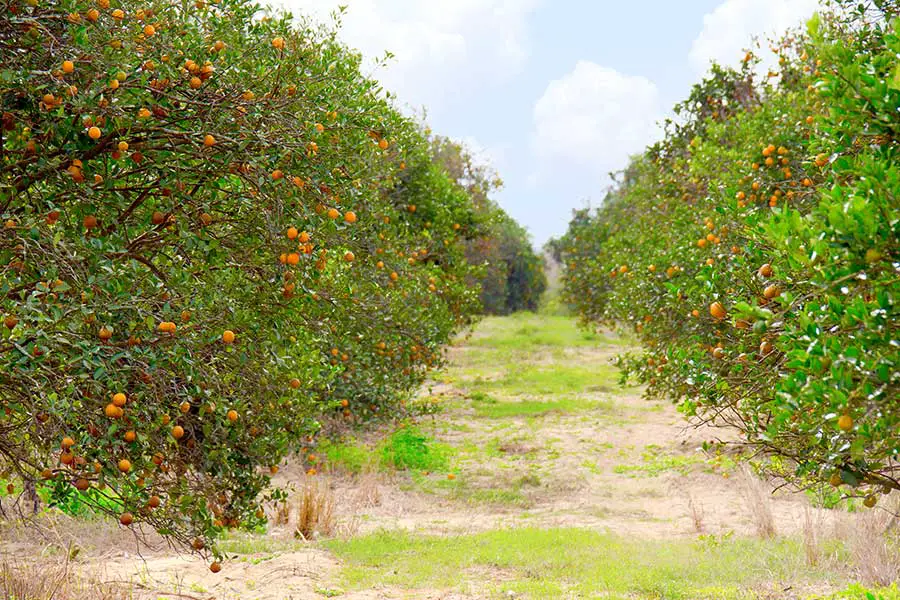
x,y
216,230
509,272
768,302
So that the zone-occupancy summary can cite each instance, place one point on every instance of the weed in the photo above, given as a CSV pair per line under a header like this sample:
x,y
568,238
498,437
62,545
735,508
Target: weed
x,y
410,448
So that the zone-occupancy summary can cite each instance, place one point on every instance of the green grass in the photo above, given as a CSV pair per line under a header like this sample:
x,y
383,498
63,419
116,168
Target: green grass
x,y
410,448
504,409
548,380
530,331
350,456
656,463
556,563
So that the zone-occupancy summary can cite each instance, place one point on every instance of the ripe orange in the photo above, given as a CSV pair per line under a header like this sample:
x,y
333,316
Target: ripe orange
x,y
232,415
292,233
717,310
766,270
216,567
178,432
278,43
130,436
303,237
195,83
350,216
119,399
185,407
67,443
82,484
149,30
293,258
104,334
394,276
68,66
348,256
94,133
771,291
112,411
90,222
154,502
295,383
845,422
228,336
126,519
333,213
124,465
10,321
277,174
383,144
209,141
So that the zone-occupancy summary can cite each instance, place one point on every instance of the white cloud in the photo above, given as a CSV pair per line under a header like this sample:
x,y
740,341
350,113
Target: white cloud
x,y
594,117
443,50
730,27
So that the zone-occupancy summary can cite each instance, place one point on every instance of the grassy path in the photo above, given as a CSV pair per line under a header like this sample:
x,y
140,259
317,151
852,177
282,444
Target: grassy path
x,y
538,476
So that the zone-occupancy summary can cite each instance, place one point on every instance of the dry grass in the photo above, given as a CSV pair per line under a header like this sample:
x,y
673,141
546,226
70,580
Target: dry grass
x,y
758,502
875,545
812,528
23,581
315,510
368,490
696,509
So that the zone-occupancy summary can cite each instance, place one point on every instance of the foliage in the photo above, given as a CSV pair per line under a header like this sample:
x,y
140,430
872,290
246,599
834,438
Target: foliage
x,y
768,302
511,273
216,229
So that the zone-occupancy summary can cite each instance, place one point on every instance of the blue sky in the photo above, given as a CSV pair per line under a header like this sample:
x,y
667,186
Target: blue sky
x,y
555,94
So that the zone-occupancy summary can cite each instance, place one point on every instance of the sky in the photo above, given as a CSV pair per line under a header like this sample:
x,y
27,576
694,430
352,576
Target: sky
x,y
554,94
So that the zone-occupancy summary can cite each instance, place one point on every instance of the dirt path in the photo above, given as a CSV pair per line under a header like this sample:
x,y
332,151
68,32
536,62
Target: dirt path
x,y
538,434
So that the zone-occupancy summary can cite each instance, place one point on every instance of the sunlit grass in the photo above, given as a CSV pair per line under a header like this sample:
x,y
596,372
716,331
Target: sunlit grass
x,y
556,563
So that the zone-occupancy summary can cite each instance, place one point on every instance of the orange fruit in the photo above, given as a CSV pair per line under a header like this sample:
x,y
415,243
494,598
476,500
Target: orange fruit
x,y
771,291
292,233
293,258
82,484
111,411
209,141
67,442
130,436
278,43
228,336
845,422
94,133
350,216
68,66
348,256
154,502
90,222
216,567
232,415
295,383
178,432
119,399
303,237
126,519
104,334
124,465
766,270
717,310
